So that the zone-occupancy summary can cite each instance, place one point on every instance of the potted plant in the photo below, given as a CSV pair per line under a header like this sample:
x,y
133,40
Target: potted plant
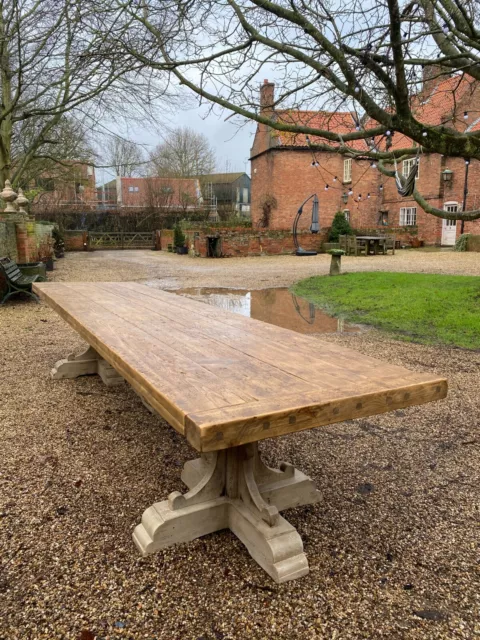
x,y
179,240
58,243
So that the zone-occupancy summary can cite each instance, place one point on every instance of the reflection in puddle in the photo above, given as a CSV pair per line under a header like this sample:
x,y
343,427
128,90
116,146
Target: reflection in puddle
x,y
275,306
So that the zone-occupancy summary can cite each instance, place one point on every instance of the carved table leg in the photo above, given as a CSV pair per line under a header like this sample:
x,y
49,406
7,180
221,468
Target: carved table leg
x,y
86,363
234,489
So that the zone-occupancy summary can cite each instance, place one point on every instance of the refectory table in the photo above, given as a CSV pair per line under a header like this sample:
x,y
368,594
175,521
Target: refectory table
x,y
225,382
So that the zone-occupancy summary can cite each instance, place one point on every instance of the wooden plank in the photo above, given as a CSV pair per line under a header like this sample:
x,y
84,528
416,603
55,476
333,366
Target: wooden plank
x,y
233,426
244,373
229,379
308,359
169,381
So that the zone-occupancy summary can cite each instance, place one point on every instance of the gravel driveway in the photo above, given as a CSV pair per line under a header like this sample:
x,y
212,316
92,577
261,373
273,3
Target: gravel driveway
x,y
393,546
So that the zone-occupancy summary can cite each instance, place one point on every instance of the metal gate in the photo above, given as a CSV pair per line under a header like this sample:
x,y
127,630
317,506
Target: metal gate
x,y
121,239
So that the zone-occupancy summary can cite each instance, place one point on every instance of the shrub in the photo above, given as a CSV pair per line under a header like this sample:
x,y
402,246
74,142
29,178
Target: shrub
x,y
178,236
461,243
340,227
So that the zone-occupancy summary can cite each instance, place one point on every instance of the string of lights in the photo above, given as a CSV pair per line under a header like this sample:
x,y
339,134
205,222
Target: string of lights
x,y
316,165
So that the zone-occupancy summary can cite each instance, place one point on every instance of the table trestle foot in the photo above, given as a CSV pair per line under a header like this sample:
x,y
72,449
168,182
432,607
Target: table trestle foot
x,y
224,492
85,364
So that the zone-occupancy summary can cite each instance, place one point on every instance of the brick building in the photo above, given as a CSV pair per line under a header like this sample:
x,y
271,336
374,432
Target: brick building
x,y
72,186
155,193
285,172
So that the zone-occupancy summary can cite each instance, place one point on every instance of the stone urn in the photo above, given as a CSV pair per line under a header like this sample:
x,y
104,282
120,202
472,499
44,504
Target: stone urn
x,y
22,202
9,196
336,261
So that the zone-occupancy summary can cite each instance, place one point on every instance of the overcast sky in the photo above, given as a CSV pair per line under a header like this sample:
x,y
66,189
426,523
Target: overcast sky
x,y
231,143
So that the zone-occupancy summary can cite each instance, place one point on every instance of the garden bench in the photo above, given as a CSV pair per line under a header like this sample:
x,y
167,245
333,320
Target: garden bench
x,y
17,282
225,382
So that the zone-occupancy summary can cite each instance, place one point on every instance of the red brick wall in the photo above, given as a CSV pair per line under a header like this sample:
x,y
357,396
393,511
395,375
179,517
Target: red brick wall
x,y
166,238
288,175
239,241
75,240
436,191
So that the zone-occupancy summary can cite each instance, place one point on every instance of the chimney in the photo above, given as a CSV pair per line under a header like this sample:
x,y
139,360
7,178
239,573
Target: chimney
x,y
267,97
432,74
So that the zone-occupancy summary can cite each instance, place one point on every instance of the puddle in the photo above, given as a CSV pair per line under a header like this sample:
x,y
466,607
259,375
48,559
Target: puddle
x,y
275,306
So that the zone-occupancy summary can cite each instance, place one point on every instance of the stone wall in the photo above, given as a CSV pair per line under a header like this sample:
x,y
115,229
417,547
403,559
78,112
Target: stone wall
x,y
473,243
26,240
8,240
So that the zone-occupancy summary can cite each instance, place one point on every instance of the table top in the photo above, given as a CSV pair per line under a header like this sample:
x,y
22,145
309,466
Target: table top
x,y
223,379
371,237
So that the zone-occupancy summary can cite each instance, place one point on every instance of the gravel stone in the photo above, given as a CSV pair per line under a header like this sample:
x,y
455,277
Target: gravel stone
x,y
80,462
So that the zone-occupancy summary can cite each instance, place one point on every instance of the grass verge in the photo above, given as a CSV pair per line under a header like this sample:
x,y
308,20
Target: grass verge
x,y
431,309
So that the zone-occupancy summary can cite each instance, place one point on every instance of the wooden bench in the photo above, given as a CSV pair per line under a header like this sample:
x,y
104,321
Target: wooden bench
x,y
225,382
17,282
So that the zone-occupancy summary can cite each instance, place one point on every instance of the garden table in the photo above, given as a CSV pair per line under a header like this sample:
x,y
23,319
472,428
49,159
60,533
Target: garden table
x,y
225,382
375,242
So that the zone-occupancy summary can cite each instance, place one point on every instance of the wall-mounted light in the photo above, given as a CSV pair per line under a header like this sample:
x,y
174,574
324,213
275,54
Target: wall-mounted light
x,y
345,198
447,175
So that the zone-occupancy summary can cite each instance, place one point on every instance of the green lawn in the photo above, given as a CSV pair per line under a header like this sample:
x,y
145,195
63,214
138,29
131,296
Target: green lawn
x,y
431,309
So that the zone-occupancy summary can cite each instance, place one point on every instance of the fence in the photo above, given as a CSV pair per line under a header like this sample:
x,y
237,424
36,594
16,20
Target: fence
x,y
121,240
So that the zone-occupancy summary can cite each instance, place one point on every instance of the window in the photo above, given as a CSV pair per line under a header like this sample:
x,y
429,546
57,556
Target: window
x,y
451,207
408,216
408,166
347,170
133,189
346,213
130,189
384,218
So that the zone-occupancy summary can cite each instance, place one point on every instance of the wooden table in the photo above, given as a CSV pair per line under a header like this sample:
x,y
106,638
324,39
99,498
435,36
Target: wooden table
x,y
375,241
225,382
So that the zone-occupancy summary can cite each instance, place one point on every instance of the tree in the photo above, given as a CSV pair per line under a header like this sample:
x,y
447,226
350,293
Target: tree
x,y
56,159
184,153
58,61
126,157
365,57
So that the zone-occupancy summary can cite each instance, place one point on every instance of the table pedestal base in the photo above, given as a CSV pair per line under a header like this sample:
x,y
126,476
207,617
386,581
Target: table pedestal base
x,y
233,489
86,363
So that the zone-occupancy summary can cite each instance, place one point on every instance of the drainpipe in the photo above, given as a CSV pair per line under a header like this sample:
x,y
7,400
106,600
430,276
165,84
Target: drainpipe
x,y
465,193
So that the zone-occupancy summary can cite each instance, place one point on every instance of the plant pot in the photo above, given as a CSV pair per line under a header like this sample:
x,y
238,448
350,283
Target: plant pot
x,y
34,269
49,263
182,251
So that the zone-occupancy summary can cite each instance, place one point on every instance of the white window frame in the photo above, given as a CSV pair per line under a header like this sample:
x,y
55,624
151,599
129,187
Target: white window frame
x,y
131,189
346,213
407,166
408,217
448,206
136,189
347,170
